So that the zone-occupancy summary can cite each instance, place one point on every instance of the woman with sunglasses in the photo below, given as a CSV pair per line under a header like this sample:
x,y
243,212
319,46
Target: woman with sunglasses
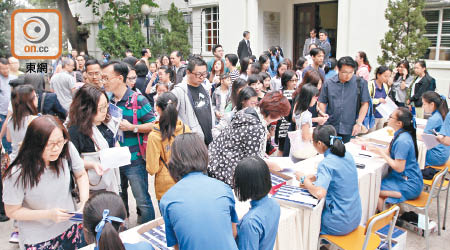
x,y
37,189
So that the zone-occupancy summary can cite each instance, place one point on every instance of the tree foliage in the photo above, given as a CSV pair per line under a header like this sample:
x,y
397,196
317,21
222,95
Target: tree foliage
x,y
166,41
6,8
116,38
121,25
405,39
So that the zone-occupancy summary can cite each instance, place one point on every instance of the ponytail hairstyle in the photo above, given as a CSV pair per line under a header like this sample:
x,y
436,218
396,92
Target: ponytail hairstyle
x,y
380,70
408,125
439,102
167,102
169,71
327,135
363,56
274,52
304,98
107,209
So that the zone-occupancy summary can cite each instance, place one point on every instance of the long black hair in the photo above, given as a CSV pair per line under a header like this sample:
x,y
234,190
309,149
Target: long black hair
x,y
245,62
439,102
93,214
405,64
326,134
244,95
406,117
238,84
167,102
304,98
22,101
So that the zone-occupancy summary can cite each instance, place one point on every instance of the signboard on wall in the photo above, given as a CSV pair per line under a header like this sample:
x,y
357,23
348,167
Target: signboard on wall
x,y
271,30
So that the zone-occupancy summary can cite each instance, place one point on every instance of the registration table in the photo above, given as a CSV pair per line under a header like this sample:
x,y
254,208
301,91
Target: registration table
x,y
299,227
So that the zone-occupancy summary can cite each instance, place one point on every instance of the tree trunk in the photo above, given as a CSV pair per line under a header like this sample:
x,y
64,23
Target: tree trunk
x,y
70,25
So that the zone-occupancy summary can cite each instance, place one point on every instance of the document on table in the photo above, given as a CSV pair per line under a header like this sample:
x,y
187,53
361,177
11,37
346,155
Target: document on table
x,y
115,157
430,141
386,109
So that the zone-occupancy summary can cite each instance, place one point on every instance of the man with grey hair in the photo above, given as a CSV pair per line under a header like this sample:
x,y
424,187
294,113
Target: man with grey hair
x,y
63,83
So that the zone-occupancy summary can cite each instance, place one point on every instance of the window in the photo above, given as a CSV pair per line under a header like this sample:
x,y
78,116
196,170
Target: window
x,y
438,32
211,28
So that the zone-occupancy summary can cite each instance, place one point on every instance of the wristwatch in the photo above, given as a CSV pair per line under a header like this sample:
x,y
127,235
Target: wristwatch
x,y
135,130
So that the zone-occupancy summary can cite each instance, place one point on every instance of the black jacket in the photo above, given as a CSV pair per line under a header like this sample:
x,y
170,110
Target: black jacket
x,y
243,50
425,84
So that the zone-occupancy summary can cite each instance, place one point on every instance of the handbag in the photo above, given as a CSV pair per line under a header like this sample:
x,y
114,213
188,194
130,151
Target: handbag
x,y
299,148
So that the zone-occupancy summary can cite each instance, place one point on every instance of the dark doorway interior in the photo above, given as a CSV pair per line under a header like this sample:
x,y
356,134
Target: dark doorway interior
x,y
314,15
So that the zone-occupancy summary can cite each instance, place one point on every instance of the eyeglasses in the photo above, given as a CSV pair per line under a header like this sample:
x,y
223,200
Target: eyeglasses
x,y
106,79
132,79
200,74
53,145
293,80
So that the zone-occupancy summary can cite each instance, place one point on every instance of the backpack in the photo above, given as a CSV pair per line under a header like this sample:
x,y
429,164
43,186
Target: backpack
x,y
369,120
143,142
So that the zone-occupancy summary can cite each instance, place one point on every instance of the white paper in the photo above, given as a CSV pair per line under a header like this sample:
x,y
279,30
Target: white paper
x,y
303,198
115,157
430,141
386,109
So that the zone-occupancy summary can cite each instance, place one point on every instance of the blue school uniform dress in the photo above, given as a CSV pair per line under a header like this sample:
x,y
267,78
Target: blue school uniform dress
x,y
138,246
342,210
258,228
198,212
438,155
445,130
409,182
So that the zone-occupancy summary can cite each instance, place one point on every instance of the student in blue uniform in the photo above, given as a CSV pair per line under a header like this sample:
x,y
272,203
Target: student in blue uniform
x,y
103,217
444,137
258,228
337,181
404,181
436,105
198,210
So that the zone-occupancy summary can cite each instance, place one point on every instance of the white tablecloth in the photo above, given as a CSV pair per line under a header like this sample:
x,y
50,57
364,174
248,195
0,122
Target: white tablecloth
x,y
383,135
308,228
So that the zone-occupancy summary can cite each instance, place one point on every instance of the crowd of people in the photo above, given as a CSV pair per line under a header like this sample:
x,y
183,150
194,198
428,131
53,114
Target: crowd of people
x,y
204,130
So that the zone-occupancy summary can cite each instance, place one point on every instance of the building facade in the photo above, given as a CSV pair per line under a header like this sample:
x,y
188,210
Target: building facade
x,y
352,25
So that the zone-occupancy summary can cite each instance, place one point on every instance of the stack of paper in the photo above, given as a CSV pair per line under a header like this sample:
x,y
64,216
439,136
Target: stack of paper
x,y
386,109
157,237
293,195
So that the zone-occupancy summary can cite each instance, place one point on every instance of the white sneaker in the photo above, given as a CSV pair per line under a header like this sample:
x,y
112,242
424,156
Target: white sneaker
x,y
14,239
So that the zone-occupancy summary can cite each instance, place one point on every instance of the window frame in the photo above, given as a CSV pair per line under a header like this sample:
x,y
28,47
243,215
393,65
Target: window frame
x,y
439,34
205,30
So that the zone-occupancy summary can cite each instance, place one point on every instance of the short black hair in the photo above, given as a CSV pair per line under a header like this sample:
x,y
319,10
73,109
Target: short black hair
x,y
286,77
245,33
120,68
143,51
215,47
252,179
91,62
233,58
313,29
189,154
131,60
253,79
177,53
324,32
195,61
141,69
316,51
346,60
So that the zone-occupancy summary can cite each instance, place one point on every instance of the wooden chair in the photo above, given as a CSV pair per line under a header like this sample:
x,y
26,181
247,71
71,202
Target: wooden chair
x,y
365,238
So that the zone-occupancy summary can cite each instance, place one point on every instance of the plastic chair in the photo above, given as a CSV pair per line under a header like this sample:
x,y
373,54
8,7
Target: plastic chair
x,y
423,202
365,238
445,185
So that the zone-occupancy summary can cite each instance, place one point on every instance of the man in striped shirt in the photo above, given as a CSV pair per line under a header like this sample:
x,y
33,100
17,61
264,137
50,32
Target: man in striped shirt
x,y
114,76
